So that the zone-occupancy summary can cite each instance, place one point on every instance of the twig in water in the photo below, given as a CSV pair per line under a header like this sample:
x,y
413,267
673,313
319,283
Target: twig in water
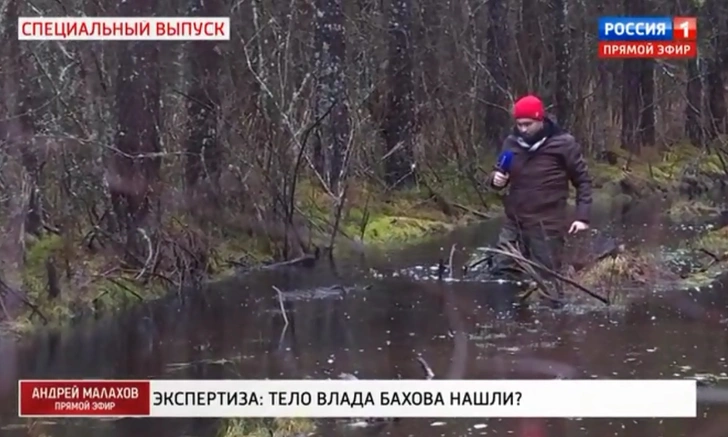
x,y
714,259
541,286
452,255
429,374
280,302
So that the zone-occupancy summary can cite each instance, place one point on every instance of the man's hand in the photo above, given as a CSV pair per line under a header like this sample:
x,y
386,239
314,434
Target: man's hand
x,y
578,226
500,179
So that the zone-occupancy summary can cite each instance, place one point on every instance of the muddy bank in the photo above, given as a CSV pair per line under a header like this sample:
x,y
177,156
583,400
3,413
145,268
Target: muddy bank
x,y
372,220
377,330
372,317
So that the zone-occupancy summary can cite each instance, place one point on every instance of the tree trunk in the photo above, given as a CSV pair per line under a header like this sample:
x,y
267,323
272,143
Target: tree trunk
x,y
399,122
332,134
428,85
638,114
647,102
203,104
134,168
693,108
716,63
529,47
563,54
497,111
21,112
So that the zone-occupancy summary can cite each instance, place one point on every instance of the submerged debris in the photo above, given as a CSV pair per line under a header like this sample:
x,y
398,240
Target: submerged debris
x,y
367,422
708,379
429,374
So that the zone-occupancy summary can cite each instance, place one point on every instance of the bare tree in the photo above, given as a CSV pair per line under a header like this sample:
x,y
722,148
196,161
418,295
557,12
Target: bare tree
x,y
203,107
716,64
638,112
400,121
312,110
563,60
332,134
133,173
496,91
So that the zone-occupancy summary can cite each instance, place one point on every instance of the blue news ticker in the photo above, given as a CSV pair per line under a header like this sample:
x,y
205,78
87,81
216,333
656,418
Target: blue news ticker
x,y
635,29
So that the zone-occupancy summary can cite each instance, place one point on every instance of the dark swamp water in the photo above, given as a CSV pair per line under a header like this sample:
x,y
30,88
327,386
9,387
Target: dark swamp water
x,y
375,322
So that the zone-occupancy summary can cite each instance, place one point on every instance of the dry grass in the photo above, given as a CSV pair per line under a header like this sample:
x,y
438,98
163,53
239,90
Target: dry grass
x,y
684,209
625,269
279,427
715,242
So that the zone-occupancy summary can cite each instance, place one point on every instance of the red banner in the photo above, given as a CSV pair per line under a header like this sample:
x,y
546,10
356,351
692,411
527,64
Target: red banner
x,y
80,398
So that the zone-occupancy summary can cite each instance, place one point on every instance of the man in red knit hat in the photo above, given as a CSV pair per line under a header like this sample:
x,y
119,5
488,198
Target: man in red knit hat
x,y
545,160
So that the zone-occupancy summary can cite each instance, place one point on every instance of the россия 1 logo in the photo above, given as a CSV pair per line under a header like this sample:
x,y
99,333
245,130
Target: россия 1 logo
x,y
648,37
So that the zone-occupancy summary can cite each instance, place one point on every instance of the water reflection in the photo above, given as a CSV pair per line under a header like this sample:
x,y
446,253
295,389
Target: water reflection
x,y
377,328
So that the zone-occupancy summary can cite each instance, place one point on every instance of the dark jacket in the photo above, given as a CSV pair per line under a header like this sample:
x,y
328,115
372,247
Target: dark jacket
x,y
539,181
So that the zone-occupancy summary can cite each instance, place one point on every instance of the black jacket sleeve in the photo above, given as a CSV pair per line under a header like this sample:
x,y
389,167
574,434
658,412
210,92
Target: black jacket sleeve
x,y
580,178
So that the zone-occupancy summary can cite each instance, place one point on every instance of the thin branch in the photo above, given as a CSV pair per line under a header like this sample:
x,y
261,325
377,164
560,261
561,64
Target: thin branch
x,y
429,374
550,272
452,255
280,302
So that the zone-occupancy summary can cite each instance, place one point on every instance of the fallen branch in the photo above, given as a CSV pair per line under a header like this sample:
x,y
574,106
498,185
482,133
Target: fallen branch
x,y
550,272
307,261
468,267
714,259
472,211
541,286
429,374
121,285
452,255
280,302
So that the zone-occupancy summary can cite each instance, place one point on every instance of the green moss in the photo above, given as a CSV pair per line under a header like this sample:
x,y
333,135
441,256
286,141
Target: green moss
x,y
37,252
237,250
374,216
384,230
702,279
279,427
662,168
85,291
377,216
603,173
715,242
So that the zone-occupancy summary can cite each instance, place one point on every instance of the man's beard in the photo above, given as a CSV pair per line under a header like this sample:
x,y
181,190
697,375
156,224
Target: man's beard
x,y
531,137
536,136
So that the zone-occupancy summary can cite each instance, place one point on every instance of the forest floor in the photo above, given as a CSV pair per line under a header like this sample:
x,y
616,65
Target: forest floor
x,y
372,217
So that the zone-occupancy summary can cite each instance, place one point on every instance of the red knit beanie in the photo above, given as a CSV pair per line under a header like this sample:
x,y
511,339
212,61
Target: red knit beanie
x,y
529,107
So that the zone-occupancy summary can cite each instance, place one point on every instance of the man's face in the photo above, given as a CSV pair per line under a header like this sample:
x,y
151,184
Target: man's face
x,y
528,127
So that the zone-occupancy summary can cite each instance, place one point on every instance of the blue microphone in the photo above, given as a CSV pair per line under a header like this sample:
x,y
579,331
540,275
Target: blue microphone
x,y
504,161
